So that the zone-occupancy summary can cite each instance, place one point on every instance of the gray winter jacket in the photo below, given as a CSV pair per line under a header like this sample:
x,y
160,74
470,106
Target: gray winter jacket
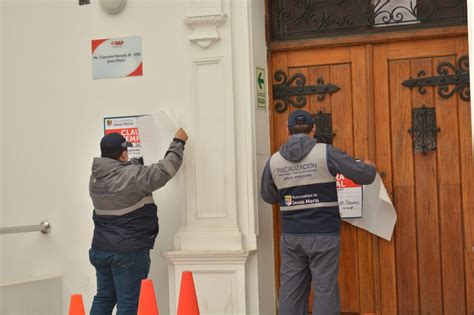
x,y
125,215
338,162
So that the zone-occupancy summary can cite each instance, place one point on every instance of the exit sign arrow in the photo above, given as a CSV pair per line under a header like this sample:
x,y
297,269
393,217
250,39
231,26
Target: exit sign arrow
x,y
260,81
261,98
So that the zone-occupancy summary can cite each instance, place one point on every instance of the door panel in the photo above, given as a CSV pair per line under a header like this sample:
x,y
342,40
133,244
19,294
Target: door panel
x,y
467,197
363,131
403,182
428,266
429,238
450,199
427,209
313,57
342,65
342,118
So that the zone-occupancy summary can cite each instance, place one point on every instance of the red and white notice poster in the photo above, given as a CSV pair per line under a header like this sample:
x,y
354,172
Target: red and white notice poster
x,y
126,126
350,197
117,57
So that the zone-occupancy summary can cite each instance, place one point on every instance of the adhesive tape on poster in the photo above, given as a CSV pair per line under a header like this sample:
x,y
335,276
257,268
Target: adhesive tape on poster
x,y
112,6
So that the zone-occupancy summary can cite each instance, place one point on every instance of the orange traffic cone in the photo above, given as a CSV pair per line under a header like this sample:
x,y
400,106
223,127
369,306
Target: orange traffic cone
x,y
147,302
76,306
187,304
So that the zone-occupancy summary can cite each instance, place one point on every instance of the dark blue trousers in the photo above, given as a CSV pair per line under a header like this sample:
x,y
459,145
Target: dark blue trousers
x,y
119,277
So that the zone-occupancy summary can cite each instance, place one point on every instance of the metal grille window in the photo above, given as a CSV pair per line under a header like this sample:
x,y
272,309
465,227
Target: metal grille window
x,y
424,130
294,19
324,132
387,13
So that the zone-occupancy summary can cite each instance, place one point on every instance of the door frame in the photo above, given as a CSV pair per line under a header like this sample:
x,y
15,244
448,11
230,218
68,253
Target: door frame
x,y
368,40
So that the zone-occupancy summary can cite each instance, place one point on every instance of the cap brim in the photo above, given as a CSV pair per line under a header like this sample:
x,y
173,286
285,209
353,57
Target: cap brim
x,y
129,144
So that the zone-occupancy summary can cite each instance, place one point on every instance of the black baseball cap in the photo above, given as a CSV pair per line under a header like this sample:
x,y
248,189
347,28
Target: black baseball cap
x,y
113,143
300,117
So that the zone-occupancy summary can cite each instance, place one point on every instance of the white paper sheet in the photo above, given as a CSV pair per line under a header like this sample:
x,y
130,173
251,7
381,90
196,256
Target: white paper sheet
x,y
378,214
156,133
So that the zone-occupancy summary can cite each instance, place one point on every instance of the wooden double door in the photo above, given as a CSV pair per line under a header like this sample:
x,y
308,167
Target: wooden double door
x,y
428,267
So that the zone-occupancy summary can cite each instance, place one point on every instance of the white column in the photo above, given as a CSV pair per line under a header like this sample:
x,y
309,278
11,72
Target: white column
x,y
219,226
211,201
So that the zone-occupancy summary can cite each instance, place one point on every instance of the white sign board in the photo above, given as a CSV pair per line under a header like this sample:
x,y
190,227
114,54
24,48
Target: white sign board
x,y
349,195
117,57
260,88
126,126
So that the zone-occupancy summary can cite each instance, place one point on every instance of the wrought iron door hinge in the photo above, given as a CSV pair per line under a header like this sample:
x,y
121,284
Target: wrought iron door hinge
x,y
460,78
283,91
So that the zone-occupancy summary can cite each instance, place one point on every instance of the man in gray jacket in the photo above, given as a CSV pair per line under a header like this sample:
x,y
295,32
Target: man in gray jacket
x,y
300,178
125,220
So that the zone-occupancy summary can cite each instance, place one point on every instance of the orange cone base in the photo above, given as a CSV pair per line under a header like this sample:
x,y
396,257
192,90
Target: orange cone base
x,y
147,303
76,306
187,304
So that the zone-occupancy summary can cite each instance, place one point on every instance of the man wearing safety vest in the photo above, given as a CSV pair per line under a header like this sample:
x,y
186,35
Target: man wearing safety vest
x,y
301,179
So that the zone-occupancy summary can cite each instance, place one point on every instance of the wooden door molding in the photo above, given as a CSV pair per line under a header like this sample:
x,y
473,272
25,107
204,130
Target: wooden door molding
x,y
377,38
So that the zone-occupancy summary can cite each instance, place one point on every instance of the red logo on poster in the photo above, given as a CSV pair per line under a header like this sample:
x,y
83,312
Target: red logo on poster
x,y
117,43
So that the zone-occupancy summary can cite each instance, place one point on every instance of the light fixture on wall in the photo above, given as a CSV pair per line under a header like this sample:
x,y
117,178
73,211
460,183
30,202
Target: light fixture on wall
x,y
112,6
109,6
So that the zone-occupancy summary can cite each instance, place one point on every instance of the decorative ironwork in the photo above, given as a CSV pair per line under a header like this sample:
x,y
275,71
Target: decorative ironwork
x,y
424,129
284,91
460,78
323,122
292,19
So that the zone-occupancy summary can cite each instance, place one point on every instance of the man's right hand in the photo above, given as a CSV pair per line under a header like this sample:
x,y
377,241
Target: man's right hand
x,y
181,135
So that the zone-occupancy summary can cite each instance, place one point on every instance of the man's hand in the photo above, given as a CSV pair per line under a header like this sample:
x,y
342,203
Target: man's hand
x,y
181,135
368,162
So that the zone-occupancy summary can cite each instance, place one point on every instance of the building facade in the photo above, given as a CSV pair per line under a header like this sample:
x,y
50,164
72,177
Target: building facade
x,y
213,64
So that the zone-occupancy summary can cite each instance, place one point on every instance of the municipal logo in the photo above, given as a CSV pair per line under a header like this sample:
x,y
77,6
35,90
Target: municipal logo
x,y
288,200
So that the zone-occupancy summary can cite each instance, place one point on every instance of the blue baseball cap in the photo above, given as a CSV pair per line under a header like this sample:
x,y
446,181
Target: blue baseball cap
x,y
113,143
300,117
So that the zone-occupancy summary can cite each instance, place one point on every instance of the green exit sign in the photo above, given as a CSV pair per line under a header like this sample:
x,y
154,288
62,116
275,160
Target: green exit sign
x,y
260,88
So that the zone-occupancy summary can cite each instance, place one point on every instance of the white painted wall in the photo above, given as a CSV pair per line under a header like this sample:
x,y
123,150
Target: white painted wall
x,y
1,142
51,123
35,296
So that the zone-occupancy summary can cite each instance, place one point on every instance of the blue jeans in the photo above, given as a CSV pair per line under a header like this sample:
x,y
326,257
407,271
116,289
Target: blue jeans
x,y
118,280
